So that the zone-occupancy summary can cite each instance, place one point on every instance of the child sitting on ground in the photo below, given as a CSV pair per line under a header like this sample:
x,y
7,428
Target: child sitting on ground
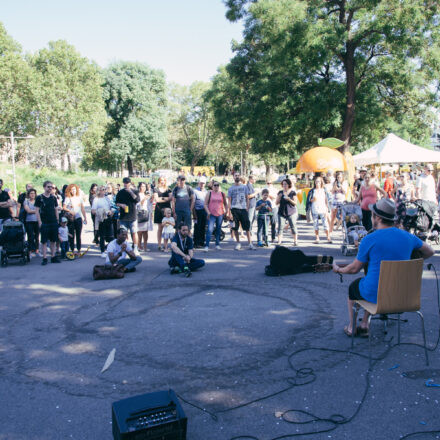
x,y
168,228
63,236
263,206
357,234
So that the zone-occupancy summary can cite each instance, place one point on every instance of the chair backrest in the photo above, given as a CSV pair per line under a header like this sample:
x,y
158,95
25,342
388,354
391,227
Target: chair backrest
x,y
400,284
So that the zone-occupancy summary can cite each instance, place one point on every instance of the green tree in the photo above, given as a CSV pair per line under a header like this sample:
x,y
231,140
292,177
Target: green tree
x,y
191,123
69,106
16,88
343,68
135,100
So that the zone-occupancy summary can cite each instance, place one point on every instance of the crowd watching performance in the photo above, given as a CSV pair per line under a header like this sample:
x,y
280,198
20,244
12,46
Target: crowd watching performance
x,y
191,216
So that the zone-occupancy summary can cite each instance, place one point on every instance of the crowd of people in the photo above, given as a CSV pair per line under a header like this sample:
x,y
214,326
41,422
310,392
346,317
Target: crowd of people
x,y
187,217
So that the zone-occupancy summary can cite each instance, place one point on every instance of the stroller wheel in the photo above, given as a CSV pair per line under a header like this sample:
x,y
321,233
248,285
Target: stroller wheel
x,y
343,250
28,257
222,235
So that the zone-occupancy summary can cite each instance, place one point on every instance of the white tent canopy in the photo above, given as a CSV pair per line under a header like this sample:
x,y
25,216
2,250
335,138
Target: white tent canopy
x,y
393,149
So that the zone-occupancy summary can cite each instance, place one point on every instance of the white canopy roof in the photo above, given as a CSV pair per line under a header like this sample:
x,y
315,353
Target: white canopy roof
x,y
393,149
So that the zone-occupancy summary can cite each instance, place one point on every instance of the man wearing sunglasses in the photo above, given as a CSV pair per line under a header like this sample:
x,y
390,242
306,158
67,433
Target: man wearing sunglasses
x,y
46,205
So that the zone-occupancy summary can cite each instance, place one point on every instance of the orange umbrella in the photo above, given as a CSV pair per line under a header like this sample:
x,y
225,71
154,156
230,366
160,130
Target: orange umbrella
x,y
321,159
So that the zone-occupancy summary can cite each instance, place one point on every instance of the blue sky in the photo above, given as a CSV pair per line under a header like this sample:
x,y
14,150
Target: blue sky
x,y
188,39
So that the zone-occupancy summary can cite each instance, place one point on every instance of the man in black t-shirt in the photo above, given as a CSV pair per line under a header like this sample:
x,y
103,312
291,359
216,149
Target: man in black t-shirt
x,y
5,206
127,199
47,216
182,247
358,182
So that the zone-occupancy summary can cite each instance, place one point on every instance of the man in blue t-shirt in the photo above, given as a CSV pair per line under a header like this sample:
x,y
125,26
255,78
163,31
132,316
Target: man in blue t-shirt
x,y
182,248
385,243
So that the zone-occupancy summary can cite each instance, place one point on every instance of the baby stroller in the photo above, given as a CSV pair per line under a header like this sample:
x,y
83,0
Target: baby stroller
x,y
419,217
13,242
349,246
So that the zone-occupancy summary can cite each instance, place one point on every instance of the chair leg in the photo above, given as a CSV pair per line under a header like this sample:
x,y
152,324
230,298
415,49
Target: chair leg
x,y
424,335
369,342
354,316
398,328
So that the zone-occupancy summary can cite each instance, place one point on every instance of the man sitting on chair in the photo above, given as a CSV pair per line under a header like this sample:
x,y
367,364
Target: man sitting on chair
x,y
385,243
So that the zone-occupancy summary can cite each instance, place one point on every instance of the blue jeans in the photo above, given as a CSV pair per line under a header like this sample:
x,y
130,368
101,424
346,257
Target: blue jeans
x,y
64,247
218,227
177,260
128,263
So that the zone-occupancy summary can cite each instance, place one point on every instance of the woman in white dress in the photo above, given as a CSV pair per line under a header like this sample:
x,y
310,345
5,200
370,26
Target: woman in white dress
x,y
145,218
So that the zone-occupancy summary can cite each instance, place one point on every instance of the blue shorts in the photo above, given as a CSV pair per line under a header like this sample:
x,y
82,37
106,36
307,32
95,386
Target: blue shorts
x,y
131,226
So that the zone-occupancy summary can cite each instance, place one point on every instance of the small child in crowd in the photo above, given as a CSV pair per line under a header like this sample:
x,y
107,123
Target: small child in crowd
x,y
63,236
168,228
263,206
355,235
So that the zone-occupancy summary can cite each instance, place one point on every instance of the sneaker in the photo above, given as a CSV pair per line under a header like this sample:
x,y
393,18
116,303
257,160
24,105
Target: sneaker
x,y
206,249
44,261
295,243
133,269
160,248
55,260
238,247
218,248
187,271
251,247
260,244
104,255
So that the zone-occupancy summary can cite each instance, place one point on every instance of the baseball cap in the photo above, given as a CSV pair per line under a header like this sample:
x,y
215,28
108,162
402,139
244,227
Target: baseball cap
x,y
202,179
63,220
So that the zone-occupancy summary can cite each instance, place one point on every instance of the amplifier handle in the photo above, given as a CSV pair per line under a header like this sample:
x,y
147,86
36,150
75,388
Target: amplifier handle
x,y
133,414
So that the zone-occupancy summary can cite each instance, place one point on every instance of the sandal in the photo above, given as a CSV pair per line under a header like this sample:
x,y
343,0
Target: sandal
x,y
363,332
348,333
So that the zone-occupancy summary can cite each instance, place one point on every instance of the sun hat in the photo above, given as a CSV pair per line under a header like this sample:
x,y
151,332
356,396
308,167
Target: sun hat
x,y
202,179
384,208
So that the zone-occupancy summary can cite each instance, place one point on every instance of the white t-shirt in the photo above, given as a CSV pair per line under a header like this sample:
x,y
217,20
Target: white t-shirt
x,y
101,202
426,186
114,248
319,206
74,204
63,233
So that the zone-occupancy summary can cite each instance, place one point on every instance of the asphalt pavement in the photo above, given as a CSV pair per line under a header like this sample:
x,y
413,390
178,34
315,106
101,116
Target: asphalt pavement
x,y
259,355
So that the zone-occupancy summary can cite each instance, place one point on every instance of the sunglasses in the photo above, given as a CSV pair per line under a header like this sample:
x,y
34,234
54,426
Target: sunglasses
x,y
216,184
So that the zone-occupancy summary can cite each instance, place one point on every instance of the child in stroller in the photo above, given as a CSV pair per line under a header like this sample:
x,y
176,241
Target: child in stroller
x,y
352,228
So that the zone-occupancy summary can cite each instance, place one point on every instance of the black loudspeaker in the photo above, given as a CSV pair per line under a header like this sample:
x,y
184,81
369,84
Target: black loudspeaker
x,y
153,416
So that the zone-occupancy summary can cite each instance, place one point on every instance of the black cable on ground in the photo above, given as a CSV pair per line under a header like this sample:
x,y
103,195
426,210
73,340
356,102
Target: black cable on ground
x,y
305,376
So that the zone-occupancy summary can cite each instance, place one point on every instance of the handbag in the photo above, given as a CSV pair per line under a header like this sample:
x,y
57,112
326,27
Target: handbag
x,y
108,272
142,216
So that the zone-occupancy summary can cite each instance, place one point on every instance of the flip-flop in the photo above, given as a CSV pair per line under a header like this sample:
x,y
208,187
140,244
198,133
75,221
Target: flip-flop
x,y
347,332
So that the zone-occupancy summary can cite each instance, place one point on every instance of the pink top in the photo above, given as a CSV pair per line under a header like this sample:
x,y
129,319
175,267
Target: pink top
x,y
215,204
369,195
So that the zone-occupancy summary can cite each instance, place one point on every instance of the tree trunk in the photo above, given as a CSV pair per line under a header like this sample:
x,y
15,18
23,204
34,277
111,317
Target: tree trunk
x,y
268,169
350,98
69,163
130,166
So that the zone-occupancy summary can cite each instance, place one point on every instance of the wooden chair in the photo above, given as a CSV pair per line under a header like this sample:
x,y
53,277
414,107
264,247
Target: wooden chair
x,y
399,291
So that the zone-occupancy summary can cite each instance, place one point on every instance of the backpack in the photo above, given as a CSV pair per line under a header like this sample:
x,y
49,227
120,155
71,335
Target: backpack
x,y
188,188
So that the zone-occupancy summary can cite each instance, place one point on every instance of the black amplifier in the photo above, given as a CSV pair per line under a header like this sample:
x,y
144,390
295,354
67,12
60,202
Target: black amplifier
x,y
153,416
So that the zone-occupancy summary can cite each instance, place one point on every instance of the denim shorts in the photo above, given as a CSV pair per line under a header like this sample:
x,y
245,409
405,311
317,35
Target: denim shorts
x,y
131,226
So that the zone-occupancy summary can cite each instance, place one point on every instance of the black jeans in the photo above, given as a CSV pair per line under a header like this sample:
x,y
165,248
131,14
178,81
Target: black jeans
x,y
200,228
366,219
95,231
75,229
32,231
105,231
